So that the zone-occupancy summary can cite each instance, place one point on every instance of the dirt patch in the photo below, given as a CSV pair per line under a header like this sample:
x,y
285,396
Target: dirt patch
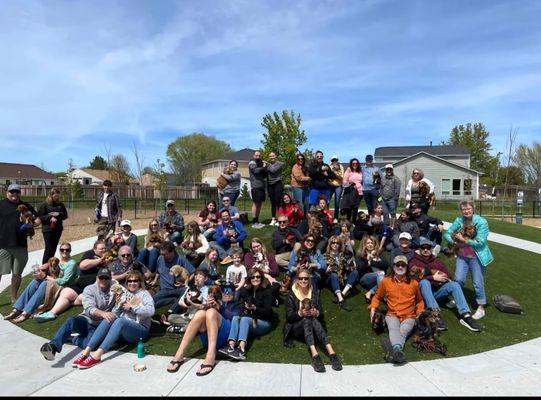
x,y
79,225
535,222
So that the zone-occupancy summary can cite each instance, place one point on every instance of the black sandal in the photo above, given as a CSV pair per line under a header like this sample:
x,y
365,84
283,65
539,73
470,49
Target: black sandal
x,y
211,366
176,366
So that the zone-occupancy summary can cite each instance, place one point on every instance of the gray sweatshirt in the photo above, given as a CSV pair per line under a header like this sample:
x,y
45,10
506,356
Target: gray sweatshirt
x,y
275,172
233,182
258,174
390,187
96,299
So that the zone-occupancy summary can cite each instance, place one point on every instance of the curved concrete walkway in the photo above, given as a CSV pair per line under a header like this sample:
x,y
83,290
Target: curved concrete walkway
x,y
513,370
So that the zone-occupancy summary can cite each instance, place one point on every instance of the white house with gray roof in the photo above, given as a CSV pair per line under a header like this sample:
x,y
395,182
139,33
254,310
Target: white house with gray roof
x,y
447,167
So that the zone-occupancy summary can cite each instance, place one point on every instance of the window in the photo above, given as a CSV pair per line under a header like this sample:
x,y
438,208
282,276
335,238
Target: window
x,y
456,187
446,186
468,184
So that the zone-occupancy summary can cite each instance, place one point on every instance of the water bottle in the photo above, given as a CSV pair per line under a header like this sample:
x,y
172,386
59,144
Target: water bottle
x,y
140,349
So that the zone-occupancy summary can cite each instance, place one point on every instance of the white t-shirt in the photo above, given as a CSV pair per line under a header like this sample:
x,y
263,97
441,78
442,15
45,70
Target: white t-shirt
x,y
104,209
235,274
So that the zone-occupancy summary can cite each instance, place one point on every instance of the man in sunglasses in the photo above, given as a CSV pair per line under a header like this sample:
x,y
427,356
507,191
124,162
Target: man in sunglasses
x,y
13,242
438,284
98,303
125,263
283,240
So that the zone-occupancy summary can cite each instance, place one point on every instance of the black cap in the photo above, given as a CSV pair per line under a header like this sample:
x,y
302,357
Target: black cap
x,y
369,158
104,272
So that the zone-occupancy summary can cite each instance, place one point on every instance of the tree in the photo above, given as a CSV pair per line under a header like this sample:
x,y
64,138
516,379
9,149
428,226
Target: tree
x,y
512,174
119,168
475,138
244,192
186,154
98,163
139,161
528,159
283,137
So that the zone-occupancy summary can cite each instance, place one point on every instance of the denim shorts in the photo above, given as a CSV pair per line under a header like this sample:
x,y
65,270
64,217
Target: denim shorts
x,y
223,335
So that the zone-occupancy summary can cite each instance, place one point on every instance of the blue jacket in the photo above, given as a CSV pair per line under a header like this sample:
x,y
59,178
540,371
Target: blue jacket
x,y
225,240
480,242
167,281
317,258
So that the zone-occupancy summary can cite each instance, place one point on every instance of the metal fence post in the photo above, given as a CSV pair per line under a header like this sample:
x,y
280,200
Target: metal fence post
x,y
135,209
480,207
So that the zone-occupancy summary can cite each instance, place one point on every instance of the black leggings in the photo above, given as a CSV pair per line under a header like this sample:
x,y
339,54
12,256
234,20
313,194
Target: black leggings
x,y
51,241
276,191
307,328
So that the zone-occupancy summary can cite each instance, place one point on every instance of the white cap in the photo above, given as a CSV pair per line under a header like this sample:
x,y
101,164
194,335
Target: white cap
x,y
404,235
389,166
125,222
334,157
170,202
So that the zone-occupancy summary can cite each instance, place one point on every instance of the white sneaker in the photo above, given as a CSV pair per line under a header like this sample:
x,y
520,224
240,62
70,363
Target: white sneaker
x,y
335,221
273,222
479,313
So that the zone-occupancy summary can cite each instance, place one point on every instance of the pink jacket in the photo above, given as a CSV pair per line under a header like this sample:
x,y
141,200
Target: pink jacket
x,y
356,178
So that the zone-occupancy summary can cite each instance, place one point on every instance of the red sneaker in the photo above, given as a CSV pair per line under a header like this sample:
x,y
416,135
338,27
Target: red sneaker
x,y
88,362
78,360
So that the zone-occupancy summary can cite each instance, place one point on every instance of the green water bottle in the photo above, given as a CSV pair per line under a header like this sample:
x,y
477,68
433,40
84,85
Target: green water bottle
x,y
140,349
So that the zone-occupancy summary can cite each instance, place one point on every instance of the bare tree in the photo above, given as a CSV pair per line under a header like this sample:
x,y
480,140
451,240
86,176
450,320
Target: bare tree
x,y
510,154
120,169
139,163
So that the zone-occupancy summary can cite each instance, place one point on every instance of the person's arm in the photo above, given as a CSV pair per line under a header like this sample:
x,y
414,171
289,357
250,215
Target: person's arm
x,y
146,308
118,207
419,302
320,261
242,232
378,298
90,263
481,237
43,214
68,272
408,190
429,184
221,236
274,269
292,261
277,240
183,262
204,244
63,212
292,312
452,229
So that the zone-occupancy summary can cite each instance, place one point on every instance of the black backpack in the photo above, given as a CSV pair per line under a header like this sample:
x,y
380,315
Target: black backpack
x,y
507,304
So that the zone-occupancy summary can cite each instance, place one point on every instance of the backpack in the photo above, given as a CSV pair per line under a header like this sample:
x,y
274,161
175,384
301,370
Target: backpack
x,y
507,304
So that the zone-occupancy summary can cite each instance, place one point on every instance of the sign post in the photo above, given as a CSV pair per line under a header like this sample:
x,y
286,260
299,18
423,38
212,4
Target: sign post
x,y
520,203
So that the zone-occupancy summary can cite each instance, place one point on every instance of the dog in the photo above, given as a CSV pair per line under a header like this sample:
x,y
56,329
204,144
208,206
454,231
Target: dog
x,y
180,274
215,292
469,232
378,323
221,182
424,189
426,330
125,295
376,178
417,273
285,287
54,268
25,216
307,304
155,238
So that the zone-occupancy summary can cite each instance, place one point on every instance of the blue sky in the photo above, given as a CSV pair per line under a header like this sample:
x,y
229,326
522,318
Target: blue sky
x,y
76,75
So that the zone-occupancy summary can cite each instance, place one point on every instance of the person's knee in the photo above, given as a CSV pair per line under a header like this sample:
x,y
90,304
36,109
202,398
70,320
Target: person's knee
x,y
424,284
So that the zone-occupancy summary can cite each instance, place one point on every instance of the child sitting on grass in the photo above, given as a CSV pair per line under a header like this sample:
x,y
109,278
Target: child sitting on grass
x,y
236,273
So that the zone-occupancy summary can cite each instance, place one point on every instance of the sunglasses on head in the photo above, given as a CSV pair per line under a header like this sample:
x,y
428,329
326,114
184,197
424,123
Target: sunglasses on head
x,y
65,250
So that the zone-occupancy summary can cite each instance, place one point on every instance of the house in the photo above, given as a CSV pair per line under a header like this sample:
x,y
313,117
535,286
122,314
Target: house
x,y
211,170
25,174
89,176
149,180
447,167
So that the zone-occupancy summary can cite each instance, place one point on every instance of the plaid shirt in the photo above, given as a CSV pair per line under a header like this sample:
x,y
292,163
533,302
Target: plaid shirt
x,y
114,207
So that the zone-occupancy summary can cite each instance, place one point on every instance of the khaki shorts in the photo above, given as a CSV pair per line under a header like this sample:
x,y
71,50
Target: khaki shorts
x,y
13,260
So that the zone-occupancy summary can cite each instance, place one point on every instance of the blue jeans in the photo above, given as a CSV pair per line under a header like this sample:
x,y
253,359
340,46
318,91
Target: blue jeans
x,y
242,326
389,207
463,265
167,296
337,194
371,280
371,198
78,325
32,297
434,234
107,333
301,196
432,298
176,237
149,257
334,281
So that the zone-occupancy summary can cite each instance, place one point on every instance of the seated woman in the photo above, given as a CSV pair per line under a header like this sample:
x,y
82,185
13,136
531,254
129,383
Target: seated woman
x,y
292,210
208,220
304,320
405,223
90,263
258,257
213,330
195,244
308,257
132,321
404,304
212,264
362,226
371,266
339,270
256,297
313,226
149,254
346,237
44,287
326,216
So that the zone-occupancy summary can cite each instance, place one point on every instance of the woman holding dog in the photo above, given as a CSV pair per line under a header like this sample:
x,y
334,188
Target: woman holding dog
x,y
132,322
371,266
35,293
52,214
304,321
195,244
414,192
232,187
256,297
149,254
474,254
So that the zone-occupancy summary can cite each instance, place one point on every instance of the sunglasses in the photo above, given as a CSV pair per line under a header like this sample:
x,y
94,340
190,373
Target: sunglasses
x,y
401,265
125,255
153,225
15,191
282,222
133,281
335,242
65,250
309,240
226,201
104,278
302,278
426,247
256,277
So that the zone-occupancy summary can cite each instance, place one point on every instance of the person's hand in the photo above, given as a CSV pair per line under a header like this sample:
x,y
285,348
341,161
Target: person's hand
x,y
460,238
313,312
312,266
39,274
440,228
439,276
109,316
127,306
328,270
188,299
306,313
53,220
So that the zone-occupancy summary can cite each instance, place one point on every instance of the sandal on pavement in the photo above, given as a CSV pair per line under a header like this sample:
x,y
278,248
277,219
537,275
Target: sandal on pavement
x,y
176,366
203,366
13,314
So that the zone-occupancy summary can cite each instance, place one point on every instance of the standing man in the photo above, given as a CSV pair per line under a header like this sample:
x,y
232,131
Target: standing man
x,y
275,185
336,185
108,209
319,173
390,193
173,222
371,183
258,173
13,234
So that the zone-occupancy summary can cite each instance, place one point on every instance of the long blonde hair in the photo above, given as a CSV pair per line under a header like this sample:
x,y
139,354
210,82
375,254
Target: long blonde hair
x,y
50,195
366,238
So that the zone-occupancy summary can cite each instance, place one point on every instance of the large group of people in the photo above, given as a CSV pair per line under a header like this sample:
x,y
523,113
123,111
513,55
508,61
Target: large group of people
x,y
223,286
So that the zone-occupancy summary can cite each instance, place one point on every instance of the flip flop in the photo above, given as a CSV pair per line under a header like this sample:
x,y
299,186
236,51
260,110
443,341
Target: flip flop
x,y
176,365
211,366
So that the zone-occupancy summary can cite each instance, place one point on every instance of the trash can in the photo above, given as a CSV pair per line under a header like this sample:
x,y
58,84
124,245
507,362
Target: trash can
x,y
518,218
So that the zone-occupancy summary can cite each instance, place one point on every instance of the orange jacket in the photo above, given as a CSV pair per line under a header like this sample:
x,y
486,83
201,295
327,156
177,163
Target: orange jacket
x,y
404,299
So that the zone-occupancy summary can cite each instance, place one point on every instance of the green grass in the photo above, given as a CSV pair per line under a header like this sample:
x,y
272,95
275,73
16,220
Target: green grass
x,y
514,272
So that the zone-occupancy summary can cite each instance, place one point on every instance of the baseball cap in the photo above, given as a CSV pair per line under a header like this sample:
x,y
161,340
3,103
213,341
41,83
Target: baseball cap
x,y
229,288
170,202
415,205
398,259
14,186
334,158
104,272
125,222
389,166
424,242
369,158
404,235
